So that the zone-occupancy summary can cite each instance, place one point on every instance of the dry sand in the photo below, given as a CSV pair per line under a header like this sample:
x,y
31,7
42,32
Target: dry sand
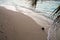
x,y
39,18
18,26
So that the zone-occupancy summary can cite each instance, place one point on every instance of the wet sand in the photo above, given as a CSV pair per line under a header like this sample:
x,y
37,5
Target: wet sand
x,y
18,26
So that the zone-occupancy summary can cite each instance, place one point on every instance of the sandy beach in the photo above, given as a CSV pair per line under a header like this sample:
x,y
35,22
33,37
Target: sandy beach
x,y
20,21
17,26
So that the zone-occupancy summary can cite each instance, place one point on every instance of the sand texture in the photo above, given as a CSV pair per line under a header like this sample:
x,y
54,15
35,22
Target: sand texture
x,y
18,26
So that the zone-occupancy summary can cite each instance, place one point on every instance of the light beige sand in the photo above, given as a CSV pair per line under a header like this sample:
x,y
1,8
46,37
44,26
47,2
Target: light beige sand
x,y
17,26
37,17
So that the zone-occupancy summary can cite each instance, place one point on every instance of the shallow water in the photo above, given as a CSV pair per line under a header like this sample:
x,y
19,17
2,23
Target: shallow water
x,y
46,6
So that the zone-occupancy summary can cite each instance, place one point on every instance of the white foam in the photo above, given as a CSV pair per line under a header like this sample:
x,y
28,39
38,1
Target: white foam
x,y
10,7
